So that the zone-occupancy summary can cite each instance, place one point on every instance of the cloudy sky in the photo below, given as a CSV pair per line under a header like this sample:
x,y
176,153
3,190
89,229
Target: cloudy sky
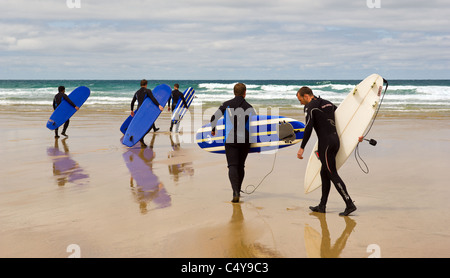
x,y
224,39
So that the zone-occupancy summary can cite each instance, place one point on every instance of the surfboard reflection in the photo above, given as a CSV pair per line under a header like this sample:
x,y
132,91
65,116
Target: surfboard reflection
x,y
178,169
65,169
146,187
320,246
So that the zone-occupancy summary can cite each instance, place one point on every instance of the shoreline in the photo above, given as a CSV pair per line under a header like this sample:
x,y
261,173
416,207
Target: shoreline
x,y
185,211
412,112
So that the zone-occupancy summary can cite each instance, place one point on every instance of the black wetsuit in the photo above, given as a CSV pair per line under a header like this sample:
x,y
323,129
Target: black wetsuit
x,y
56,102
237,145
175,96
320,116
140,96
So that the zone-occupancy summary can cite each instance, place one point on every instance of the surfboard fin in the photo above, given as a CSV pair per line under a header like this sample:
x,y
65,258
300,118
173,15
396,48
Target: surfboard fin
x,y
286,132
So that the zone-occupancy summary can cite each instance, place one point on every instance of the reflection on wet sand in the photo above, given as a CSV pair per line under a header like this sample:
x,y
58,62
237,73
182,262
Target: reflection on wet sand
x,y
182,168
242,238
145,184
234,238
65,169
320,246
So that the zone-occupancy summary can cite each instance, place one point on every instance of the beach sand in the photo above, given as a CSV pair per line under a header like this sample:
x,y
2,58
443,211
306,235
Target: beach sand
x,y
81,190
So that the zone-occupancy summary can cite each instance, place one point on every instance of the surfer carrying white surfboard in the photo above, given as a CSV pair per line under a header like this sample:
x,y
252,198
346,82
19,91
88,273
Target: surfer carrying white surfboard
x,y
175,96
57,101
320,117
237,138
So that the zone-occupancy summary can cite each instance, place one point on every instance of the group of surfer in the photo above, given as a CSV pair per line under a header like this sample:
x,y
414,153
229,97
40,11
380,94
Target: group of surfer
x,y
138,96
319,117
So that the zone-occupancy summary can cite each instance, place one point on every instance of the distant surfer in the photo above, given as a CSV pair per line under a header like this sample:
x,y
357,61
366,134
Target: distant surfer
x,y
237,138
175,96
320,116
56,102
140,96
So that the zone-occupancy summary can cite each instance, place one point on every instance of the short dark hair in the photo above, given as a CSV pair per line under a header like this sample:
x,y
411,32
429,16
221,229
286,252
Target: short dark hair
x,y
239,89
143,82
176,85
61,89
305,91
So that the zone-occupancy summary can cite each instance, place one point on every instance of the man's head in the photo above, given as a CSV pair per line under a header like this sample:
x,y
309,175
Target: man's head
x,y
240,89
176,86
61,89
305,95
144,83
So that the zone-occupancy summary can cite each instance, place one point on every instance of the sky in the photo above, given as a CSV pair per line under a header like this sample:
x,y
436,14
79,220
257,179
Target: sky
x,y
224,39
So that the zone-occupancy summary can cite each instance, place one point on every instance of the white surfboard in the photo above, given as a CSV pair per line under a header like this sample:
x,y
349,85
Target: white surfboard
x,y
353,116
180,109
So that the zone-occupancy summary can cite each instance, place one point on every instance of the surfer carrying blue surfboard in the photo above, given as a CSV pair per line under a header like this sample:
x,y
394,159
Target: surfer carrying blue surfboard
x,y
140,96
237,113
57,101
320,117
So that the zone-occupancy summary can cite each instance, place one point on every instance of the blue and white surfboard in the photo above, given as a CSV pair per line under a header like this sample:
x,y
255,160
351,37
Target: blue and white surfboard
x,y
180,110
267,133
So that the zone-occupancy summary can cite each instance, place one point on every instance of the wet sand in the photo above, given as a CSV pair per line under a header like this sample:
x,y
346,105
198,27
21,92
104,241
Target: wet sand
x,y
173,200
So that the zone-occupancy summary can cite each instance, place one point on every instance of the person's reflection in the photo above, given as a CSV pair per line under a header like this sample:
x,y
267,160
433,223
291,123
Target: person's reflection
x,y
243,238
178,169
145,185
323,249
65,169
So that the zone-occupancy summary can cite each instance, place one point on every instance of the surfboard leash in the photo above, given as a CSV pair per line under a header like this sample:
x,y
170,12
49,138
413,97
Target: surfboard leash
x,y
372,142
256,187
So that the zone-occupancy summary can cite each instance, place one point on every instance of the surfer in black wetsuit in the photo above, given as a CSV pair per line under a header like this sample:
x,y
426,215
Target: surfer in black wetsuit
x,y
320,116
140,96
237,144
175,96
56,102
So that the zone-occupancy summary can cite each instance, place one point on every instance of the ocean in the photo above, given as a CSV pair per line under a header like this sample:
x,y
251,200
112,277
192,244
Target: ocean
x,y
401,96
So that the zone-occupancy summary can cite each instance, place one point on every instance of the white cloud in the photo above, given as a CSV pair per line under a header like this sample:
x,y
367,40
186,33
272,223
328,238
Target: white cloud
x,y
224,39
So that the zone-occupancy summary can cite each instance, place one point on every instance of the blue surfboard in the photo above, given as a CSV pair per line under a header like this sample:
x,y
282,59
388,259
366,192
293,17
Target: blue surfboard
x,y
267,133
126,123
64,110
146,115
180,109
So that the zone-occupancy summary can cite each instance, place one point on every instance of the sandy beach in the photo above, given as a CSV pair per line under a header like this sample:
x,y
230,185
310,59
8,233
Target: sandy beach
x,y
173,200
